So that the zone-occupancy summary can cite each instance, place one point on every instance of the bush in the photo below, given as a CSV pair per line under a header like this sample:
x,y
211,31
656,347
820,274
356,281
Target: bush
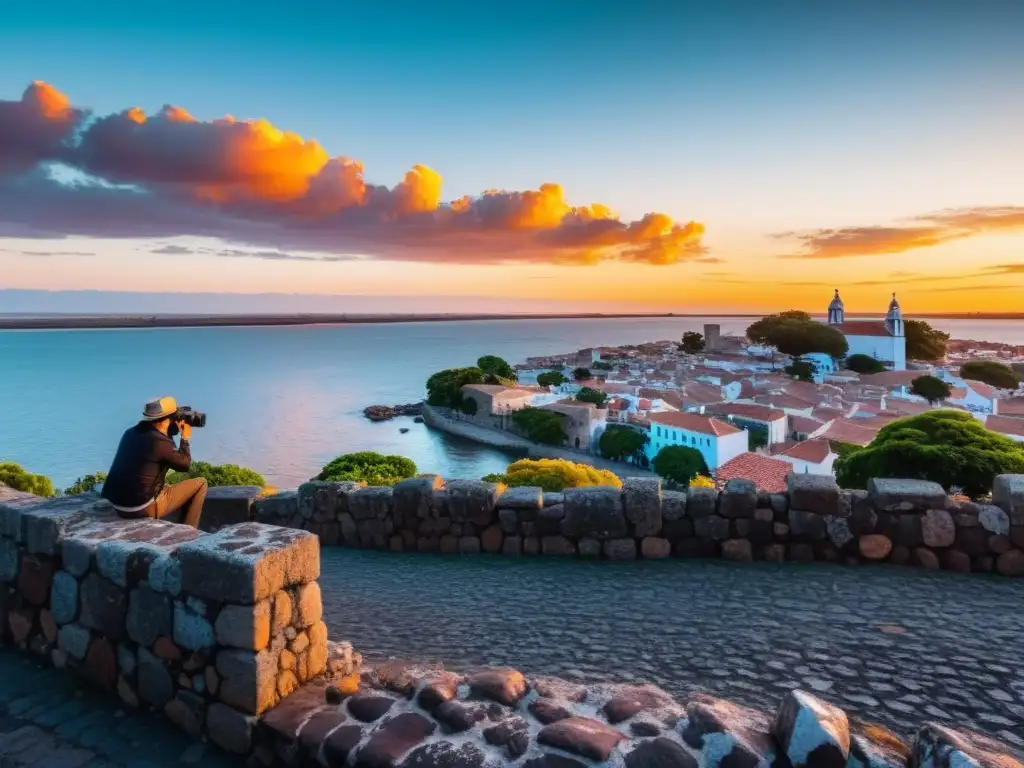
x,y
551,379
444,388
540,425
13,476
864,364
595,396
990,372
679,463
85,484
622,444
949,447
556,475
702,481
368,467
800,370
581,373
931,388
601,365
218,474
693,342
497,368
924,342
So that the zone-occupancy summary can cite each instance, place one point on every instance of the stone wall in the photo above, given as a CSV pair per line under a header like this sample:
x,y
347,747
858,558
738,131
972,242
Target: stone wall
x,y
214,629
903,522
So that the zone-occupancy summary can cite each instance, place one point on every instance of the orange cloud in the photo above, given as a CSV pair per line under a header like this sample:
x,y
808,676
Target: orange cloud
x,y
250,181
934,229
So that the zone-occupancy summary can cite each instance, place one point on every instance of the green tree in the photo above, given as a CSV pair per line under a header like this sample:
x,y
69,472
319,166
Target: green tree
x,y
864,364
795,333
757,436
13,476
581,373
693,343
554,475
218,474
679,463
552,379
85,484
924,342
540,425
991,372
949,447
368,467
622,444
444,388
601,365
498,369
931,388
801,370
590,395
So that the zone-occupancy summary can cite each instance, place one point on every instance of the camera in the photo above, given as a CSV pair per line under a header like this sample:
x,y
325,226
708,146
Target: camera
x,y
190,416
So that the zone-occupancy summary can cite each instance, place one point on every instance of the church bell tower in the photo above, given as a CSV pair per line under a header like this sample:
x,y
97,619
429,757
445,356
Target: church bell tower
x,y
894,318
836,310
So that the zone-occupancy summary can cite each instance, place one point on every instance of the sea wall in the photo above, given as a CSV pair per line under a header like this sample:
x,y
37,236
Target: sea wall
x,y
903,522
212,629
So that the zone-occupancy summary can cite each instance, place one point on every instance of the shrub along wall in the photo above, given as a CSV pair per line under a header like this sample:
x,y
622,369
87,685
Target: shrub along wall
x,y
905,522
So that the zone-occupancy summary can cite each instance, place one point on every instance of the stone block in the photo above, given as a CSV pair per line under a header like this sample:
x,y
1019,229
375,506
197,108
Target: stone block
x,y
701,502
412,499
838,529
1010,563
372,503
620,549
230,729
512,546
228,505
737,550
192,630
812,733
469,545
390,741
246,563
875,546
316,655
937,528
815,493
248,681
165,575
12,504
245,626
673,506
100,664
549,520
44,524
652,548
807,525
526,499
274,509
581,736
589,548
448,544
937,746
64,597
104,606
713,528
491,539
10,556
508,520
641,502
899,495
34,578
308,605
73,639
187,711
908,530
738,499
1008,495
149,615
553,497
557,546
993,519
473,501
596,512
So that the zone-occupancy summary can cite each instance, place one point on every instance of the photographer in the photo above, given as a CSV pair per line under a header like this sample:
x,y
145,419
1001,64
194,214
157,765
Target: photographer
x,y
135,483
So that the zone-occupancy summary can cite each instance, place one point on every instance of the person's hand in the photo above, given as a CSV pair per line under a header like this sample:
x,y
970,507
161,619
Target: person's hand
x,y
186,430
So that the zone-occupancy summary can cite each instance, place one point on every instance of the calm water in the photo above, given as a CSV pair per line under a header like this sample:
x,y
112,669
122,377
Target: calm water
x,y
284,400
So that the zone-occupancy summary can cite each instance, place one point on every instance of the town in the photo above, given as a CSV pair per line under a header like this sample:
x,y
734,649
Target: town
x,y
751,410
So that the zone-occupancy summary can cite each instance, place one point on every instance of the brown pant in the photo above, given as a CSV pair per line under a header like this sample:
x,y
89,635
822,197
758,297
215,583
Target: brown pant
x,y
174,497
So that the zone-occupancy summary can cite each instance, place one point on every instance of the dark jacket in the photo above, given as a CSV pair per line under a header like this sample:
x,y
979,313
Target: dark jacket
x,y
143,457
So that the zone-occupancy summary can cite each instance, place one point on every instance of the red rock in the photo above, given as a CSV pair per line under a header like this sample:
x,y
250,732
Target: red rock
x,y
101,663
34,578
48,625
491,539
369,707
660,753
999,544
632,699
653,548
1011,563
506,686
437,692
166,649
393,739
955,560
548,710
925,558
340,744
875,546
20,622
737,550
318,726
583,736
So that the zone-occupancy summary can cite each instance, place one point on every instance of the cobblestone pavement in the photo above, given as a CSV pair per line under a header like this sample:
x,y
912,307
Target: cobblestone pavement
x,y
896,646
49,719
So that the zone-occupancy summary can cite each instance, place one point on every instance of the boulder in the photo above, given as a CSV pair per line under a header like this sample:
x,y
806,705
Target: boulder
x,y
899,495
993,519
726,734
1008,495
712,528
811,732
815,493
595,511
149,615
412,499
549,520
582,736
393,739
620,549
925,558
505,686
701,502
807,525
548,711
659,753
651,548
673,505
737,550
104,606
838,530
1011,563
641,501
557,545
229,729
526,498
937,528
473,501
589,548
936,746
874,546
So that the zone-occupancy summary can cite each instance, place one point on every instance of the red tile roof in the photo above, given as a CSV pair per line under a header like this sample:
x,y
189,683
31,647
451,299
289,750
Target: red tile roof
x,y
747,411
693,422
814,451
849,431
804,425
889,379
863,328
1007,425
1013,406
985,390
768,474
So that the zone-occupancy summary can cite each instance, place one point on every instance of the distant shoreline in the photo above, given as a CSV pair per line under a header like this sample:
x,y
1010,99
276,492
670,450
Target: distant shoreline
x,y
76,322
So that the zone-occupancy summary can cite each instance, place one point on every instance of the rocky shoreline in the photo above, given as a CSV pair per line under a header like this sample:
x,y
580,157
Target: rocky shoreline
x,y
388,412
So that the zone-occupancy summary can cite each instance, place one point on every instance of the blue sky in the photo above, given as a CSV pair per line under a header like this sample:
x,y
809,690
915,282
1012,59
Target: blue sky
x,y
751,117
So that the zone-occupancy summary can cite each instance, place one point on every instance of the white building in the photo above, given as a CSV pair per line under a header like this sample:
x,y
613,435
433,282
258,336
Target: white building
x,y
811,457
717,441
885,341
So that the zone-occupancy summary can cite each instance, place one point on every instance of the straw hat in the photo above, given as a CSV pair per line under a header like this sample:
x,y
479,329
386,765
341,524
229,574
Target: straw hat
x,y
155,410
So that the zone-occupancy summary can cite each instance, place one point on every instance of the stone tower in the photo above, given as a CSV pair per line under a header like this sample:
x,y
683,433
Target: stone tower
x,y
894,318
836,310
